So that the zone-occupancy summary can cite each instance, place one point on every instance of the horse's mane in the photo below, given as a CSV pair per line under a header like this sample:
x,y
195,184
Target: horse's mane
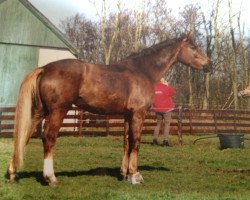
x,y
158,47
154,48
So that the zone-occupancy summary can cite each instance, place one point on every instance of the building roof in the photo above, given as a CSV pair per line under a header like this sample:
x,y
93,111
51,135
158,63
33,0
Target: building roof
x,y
46,22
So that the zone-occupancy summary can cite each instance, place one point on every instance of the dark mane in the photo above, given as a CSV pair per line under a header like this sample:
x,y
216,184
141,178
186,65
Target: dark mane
x,y
116,68
154,48
158,47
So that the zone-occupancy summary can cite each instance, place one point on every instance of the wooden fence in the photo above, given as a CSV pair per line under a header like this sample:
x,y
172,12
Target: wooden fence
x,y
184,121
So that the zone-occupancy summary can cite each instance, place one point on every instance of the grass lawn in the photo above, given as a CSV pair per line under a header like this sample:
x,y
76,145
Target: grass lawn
x,y
88,168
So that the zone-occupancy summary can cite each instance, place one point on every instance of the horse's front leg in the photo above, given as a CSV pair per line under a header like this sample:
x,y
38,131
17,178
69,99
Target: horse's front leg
x,y
134,144
125,160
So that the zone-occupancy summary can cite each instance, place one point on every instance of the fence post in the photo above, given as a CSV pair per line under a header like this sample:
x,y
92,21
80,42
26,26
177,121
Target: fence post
x,y
107,124
80,122
235,127
215,122
179,131
190,120
1,113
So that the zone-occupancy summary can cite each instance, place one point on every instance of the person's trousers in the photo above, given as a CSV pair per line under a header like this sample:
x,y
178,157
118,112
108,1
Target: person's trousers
x,y
163,119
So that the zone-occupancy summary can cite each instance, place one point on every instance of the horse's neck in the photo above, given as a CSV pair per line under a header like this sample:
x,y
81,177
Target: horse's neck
x,y
156,64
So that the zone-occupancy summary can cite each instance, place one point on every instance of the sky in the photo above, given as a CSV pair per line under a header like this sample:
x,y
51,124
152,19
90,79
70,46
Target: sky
x,y
58,10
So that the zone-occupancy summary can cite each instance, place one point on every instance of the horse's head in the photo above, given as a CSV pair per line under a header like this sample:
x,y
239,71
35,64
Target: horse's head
x,y
191,55
245,92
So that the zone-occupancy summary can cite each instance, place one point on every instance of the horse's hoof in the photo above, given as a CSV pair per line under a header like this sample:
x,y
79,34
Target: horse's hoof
x,y
135,178
53,182
11,177
11,180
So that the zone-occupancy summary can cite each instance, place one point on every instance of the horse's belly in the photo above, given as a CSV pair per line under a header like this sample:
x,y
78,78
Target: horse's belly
x,y
100,105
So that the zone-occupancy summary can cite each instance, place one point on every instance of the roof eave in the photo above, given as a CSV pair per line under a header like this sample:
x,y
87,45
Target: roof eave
x,y
51,26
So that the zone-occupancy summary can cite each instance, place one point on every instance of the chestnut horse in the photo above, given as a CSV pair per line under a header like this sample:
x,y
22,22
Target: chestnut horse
x,y
123,88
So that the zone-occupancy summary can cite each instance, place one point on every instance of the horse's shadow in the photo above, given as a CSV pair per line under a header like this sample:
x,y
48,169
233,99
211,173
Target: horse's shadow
x,y
99,171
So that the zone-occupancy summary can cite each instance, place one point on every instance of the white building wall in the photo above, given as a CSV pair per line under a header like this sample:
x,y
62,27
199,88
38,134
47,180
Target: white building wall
x,y
50,55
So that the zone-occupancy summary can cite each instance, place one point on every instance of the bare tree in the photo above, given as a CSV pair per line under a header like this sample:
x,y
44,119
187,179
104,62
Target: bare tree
x,y
109,31
84,34
234,57
243,59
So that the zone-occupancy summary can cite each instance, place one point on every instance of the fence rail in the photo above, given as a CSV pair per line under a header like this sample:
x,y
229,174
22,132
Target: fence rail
x,y
184,121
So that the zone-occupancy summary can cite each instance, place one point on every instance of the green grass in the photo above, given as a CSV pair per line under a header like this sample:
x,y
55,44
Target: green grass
x,y
88,168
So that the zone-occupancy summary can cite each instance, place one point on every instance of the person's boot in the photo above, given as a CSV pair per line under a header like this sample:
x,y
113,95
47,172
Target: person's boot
x,y
165,143
155,142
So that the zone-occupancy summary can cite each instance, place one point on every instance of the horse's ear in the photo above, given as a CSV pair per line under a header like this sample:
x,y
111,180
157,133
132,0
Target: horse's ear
x,y
190,35
187,36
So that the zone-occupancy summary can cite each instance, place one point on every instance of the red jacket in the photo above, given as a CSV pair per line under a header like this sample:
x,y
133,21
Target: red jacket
x,y
163,98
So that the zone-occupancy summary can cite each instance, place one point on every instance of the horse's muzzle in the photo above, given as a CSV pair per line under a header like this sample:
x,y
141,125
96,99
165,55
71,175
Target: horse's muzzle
x,y
241,95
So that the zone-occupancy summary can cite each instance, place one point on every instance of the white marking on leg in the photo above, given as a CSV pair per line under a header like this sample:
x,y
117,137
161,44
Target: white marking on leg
x,y
135,178
48,169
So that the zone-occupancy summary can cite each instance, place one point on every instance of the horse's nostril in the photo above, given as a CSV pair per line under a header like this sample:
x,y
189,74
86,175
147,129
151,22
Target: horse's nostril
x,y
240,94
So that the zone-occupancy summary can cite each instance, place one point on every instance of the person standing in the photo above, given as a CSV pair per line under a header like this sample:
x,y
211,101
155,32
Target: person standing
x,y
162,106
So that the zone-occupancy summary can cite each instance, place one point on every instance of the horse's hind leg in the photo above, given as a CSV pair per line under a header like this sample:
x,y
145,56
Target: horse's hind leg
x,y
52,125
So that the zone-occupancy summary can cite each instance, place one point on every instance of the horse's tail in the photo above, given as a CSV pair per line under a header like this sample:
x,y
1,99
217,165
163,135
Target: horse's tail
x,y
27,101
